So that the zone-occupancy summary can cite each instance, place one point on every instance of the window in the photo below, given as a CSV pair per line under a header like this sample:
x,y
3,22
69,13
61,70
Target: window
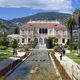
x,y
46,31
22,40
29,39
42,31
63,40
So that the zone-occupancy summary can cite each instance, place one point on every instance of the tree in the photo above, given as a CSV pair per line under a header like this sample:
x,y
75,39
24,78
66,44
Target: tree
x,y
16,30
34,42
26,47
3,28
49,42
55,40
70,23
77,13
14,43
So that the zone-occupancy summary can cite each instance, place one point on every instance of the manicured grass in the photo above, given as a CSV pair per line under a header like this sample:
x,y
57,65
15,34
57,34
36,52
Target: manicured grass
x,y
8,53
73,56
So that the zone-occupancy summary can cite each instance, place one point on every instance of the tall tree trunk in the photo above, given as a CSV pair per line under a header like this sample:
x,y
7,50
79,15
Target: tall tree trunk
x,y
4,36
79,37
71,38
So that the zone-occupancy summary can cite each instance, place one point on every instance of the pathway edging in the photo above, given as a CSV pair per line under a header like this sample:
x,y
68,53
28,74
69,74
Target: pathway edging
x,y
5,74
57,72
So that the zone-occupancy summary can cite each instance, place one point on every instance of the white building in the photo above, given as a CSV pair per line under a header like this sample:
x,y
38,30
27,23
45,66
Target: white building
x,y
41,30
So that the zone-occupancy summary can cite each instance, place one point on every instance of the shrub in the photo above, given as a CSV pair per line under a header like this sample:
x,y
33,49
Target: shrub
x,y
56,48
26,47
3,47
49,43
66,46
14,43
74,46
34,43
1,42
6,43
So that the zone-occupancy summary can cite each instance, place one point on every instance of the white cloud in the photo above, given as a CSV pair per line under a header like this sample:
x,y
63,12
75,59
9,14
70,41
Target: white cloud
x,y
58,5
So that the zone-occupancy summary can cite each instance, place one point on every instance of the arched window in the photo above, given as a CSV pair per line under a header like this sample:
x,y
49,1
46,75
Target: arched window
x,y
46,31
40,30
29,39
23,40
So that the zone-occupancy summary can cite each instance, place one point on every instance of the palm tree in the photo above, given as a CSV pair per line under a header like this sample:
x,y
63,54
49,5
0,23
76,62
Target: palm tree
x,y
77,13
3,28
70,23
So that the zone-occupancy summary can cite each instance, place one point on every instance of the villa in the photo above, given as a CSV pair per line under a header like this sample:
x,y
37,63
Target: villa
x,y
41,30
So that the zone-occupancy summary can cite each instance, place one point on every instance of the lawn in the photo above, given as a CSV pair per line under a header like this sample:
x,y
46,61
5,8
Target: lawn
x,y
7,54
73,56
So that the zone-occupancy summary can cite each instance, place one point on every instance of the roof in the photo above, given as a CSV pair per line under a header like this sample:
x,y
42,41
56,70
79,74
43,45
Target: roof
x,y
13,35
44,24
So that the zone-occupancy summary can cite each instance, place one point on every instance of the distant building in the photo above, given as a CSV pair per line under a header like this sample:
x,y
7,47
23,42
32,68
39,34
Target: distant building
x,y
41,30
13,36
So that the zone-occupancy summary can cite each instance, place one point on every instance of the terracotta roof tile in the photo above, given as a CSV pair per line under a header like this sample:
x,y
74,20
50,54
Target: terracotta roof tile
x,y
44,24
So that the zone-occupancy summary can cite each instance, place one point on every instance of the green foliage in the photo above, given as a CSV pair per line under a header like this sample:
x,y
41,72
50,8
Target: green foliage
x,y
73,45
55,40
26,47
66,46
1,42
76,12
16,30
3,47
49,42
56,48
14,43
6,43
34,43
73,56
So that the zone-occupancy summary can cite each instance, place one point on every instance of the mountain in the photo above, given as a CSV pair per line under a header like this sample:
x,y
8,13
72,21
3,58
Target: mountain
x,y
39,16
42,16
10,25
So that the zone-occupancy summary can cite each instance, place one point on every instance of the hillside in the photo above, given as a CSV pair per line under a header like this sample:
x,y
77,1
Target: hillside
x,y
11,24
43,16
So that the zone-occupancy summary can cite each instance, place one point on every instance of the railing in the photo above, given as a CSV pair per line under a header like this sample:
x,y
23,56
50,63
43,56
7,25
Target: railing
x,y
75,72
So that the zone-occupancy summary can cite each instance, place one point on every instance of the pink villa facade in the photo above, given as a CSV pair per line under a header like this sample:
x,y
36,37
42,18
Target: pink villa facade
x,y
41,30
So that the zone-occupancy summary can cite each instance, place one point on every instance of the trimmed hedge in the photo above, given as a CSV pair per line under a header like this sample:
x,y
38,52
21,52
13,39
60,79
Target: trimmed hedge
x,y
56,48
3,47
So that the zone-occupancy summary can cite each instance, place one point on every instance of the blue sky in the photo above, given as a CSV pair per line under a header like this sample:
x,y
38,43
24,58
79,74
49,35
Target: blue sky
x,y
10,9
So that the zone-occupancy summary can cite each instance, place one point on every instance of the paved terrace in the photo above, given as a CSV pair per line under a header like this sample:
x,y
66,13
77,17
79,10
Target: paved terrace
x,y
72,68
